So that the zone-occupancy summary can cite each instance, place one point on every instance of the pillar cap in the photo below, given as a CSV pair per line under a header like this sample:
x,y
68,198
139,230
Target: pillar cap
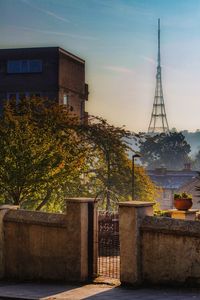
x,y
136,203
81,200
9,206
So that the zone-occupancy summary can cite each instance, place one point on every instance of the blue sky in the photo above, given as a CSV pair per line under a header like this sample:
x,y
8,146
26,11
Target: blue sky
x,y
118,40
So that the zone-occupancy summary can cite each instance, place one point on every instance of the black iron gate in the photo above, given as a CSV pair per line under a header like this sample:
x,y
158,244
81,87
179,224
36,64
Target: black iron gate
x,y
108,244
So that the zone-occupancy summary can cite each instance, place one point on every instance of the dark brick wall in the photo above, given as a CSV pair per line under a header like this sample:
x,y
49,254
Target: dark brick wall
x,y
71,74
62,73
46,81
72,81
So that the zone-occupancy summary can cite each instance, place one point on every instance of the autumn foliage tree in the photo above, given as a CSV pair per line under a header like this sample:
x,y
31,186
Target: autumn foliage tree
x,y
39,152
110,172
46,155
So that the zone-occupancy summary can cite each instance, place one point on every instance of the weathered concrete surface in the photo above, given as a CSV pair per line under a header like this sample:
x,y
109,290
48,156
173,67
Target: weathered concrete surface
x,y
35,217
46,246
131,215
170,251
3,210
170,226
36,252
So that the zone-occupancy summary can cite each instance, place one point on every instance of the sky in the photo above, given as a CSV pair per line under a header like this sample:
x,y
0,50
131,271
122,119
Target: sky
x,y
118,41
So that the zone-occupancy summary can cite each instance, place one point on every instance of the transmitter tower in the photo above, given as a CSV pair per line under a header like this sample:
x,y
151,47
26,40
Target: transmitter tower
x,y
158,122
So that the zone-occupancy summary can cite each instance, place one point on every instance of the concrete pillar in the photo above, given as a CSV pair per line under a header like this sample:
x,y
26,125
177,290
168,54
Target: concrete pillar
x,y
131,214
80,218
3,210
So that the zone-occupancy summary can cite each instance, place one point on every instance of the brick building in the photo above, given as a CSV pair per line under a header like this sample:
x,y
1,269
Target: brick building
x,y
49,72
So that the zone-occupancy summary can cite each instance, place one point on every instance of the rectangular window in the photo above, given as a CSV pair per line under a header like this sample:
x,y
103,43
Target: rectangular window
x,y
24,66
35,66
65,99
22,95
13,66
16,96
166,194
82,109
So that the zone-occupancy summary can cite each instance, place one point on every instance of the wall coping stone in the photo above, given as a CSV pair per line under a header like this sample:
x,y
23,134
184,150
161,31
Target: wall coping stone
x,y
36,218
9,206
81,200
170,226
136,203
184,212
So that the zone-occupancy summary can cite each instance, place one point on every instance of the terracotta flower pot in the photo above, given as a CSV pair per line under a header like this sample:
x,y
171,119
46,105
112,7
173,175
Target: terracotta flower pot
x,y
183,204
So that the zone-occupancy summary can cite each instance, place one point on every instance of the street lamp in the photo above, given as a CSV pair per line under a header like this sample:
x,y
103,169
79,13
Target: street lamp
x,y
136,155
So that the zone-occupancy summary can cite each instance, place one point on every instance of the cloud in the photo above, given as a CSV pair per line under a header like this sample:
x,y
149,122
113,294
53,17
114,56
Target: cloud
x,y
163,66
148,59
118,69
119,7
71,35
48,12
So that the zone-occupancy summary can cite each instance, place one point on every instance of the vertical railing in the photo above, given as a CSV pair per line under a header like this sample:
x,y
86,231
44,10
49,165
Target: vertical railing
x,y
90,240
108,245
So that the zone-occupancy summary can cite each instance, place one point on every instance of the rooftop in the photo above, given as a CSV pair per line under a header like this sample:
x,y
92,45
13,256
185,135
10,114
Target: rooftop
x,y
61,50
171,179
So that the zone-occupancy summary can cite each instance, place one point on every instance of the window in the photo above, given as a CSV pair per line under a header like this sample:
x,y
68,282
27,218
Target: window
x,y
65,99
13,66
82,109
166,194
22,95
35,66
16,96
24,66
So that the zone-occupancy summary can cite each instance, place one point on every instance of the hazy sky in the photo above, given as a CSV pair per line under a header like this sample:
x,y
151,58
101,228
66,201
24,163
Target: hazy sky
x,y
118,40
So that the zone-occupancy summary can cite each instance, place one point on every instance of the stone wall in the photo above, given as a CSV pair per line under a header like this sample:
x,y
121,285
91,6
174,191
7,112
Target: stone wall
x,y
157,250
170,251
44,246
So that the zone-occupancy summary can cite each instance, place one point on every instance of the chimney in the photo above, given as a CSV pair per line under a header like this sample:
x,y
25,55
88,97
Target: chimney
x,y
187,167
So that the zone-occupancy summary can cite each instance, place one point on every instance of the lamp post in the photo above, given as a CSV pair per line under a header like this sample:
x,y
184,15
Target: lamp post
x,y
136,155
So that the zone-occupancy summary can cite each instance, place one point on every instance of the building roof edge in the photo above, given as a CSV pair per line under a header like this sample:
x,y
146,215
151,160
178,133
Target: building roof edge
x,y
50,47
71,55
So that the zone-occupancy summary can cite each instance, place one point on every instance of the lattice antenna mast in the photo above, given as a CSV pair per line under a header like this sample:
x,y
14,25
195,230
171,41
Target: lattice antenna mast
x,y
158,123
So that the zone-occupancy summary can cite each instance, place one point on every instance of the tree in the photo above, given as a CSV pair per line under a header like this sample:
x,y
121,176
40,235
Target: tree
x,y
110,174
40,152
170,150
120,184
196,161
109,146
46,155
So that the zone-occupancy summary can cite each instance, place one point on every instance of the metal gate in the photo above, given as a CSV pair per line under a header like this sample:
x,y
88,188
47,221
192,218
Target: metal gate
x,y
108,244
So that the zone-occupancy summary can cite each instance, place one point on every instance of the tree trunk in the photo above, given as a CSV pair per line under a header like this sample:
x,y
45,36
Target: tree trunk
x,y
46,199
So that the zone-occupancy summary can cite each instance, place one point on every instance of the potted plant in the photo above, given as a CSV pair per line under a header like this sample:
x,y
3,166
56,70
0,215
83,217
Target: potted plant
x,y
182,201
